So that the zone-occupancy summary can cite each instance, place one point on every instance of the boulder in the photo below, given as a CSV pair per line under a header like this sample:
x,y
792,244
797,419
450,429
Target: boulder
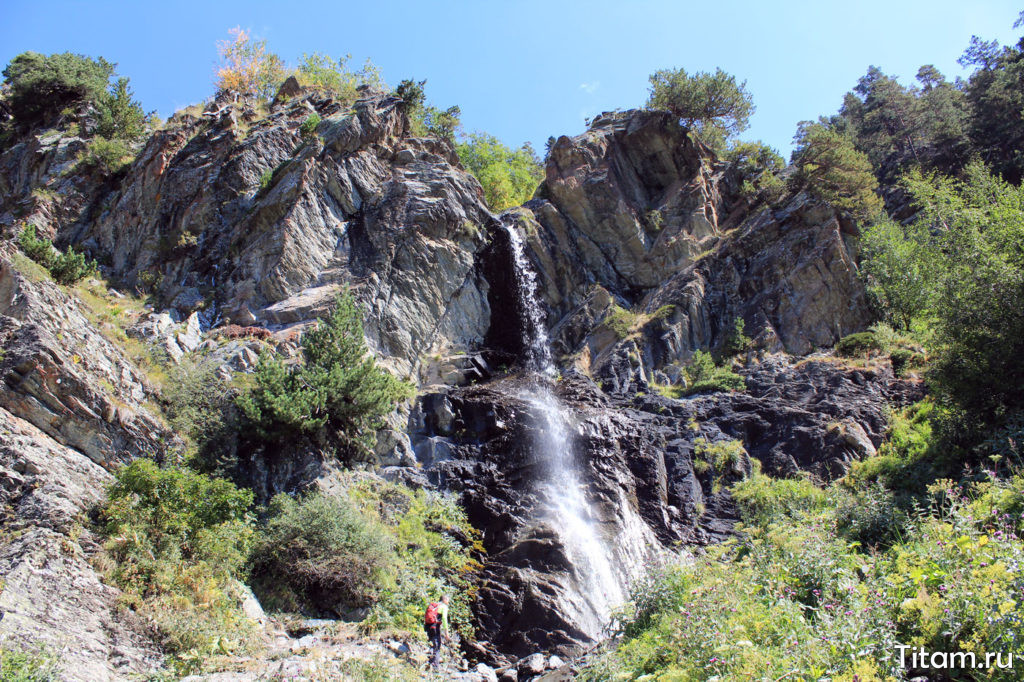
x,y
534,664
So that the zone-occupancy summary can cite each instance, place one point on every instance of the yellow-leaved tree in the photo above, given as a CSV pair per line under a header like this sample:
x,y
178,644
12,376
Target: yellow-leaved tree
x,y
247,67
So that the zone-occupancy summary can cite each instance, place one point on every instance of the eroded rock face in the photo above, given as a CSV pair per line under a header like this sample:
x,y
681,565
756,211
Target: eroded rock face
x,y
254,223
39,185
634,213
52,597
61,375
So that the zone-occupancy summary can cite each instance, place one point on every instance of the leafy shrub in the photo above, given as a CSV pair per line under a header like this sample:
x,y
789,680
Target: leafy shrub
x,y
199,405
308,127
834,171
332,76
703,375
620,321
904,359
626,323
339,391
43,85
858,344
319,550
873,516
908,460
178,540
762,499
736,341
723,459
109,156
898,268
375,548
509,177
247,67
19,665
66,267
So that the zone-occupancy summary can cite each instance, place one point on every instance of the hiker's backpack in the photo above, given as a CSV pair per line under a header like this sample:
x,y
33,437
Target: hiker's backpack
x,y
431,616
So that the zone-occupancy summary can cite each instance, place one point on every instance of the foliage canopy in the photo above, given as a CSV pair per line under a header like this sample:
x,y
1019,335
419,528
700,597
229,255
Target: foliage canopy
x,y
509,176
339,392
43,85
713,104
834,171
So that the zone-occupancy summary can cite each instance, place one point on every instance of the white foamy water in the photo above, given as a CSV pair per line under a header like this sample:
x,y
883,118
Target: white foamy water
x,y
565,506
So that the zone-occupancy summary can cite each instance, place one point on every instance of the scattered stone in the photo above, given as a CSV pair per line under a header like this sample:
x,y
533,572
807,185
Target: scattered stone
x,y
508,675
486,672
534,664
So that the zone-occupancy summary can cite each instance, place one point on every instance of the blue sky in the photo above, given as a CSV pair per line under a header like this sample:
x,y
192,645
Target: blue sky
x,y
524,70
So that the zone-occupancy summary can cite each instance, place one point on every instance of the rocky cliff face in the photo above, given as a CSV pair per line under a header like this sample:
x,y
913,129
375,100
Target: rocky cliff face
x,y
231,217
249,222
635,213
72,406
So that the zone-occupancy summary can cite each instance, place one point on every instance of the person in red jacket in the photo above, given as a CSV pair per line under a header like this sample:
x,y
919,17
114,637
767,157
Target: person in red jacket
x,y
436,623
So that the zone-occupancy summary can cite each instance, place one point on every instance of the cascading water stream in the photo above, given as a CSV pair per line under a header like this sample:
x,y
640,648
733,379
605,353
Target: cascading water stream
x,y
565,506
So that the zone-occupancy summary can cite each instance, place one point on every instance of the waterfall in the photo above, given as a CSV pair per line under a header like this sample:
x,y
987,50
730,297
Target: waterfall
x,y
565,507
534,322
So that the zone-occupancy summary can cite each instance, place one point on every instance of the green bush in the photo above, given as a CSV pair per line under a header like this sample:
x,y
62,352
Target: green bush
x,y
873,516
319,551
176,542
339,392
308,127
762,499
375,550
723,459
857,344
909,458
108,156
42,85
904,359
39,249
621,321
899,269
19,665
509,176
333,77
199,405
704,376
67,267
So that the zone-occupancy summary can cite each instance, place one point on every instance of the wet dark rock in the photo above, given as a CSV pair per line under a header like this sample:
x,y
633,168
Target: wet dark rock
x,y
636,457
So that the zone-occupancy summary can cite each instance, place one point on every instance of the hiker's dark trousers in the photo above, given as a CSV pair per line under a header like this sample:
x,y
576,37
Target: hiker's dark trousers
x,y
434,635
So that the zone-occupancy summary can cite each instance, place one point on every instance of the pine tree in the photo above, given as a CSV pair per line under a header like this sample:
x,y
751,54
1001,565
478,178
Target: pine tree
x,y
338,392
